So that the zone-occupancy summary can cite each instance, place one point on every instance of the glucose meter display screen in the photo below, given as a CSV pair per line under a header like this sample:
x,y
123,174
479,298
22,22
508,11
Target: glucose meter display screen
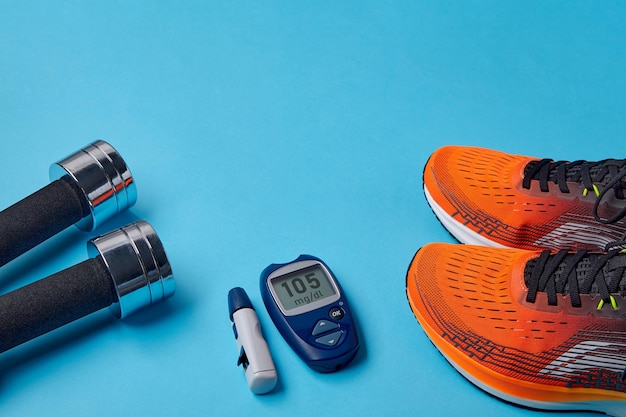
x,y
302,287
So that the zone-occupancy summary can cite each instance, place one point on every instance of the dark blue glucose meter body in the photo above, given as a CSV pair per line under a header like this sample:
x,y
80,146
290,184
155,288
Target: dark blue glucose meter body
x,y
310,310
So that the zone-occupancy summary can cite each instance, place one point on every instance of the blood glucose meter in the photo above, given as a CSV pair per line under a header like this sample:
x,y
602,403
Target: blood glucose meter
x,y
310,310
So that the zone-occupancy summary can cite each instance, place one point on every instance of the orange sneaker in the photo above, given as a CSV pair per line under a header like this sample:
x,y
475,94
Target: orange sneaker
x,y
492,198
538,329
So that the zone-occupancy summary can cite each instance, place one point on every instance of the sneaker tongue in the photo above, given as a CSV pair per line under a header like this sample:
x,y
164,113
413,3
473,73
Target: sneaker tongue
x,y
614,272
618,265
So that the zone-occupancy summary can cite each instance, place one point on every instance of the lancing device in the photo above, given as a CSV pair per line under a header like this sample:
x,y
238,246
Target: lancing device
x,y
254,354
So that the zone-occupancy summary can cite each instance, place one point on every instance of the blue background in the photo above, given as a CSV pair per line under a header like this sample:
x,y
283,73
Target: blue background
x,y
257,131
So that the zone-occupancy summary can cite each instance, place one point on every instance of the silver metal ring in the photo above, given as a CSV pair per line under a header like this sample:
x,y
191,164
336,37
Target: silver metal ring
x,y
138,265
104,178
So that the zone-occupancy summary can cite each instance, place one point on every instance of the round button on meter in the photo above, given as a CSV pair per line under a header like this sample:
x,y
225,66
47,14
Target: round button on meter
x,y
336,313
300,297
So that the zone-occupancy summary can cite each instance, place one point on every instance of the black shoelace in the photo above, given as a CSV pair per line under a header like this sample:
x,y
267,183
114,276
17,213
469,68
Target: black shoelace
x,y
607,175
578,273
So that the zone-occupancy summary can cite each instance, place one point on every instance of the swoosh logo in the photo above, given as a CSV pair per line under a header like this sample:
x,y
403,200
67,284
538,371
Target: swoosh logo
x,y
572,233
588,355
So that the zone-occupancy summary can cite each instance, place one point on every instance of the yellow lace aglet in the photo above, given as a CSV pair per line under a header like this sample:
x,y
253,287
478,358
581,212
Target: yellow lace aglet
x,y
595,188
613,303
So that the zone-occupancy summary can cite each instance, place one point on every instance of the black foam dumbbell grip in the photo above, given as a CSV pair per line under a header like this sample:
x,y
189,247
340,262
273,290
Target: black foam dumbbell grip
x,y
88,187
52,302
128,270
40,216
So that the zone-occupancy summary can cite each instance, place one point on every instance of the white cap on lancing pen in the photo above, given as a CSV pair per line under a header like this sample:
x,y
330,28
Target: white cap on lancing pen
x,y
254,353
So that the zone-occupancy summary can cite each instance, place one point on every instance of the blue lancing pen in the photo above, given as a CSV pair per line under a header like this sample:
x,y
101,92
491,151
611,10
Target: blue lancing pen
x,y
254,354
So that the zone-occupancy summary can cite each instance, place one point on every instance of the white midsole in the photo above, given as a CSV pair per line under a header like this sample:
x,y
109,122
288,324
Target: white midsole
x,y
613,408
460,232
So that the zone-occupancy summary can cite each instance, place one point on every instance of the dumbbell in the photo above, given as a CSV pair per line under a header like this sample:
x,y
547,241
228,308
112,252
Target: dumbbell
x,y
87,188
128,270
